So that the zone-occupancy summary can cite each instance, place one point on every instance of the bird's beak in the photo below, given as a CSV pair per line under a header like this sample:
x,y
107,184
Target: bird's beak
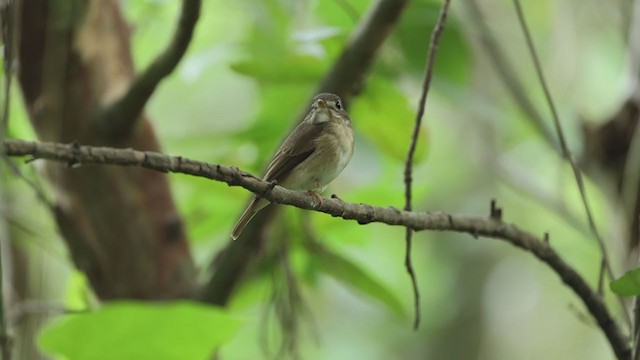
x,y
321,104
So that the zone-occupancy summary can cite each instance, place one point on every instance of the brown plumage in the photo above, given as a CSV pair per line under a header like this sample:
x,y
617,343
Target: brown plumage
x,y
315,152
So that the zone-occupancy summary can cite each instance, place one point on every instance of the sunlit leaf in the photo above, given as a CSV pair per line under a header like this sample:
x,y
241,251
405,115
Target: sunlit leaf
x,y
382,113
130,330
350,273
628,284
290,69
78,291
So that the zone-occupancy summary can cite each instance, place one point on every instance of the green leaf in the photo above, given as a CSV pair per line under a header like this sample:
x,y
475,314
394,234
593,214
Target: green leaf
x,y
348,272
628,284
383,114
290,69
134,330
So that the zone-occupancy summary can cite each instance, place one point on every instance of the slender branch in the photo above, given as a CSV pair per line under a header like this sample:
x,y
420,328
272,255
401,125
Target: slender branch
x,y
636,332
522,181
119,118
508,75
7,12
363,213
577,173
408,165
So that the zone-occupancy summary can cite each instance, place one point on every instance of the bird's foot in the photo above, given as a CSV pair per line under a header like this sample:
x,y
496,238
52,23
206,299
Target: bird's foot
x,y
316,196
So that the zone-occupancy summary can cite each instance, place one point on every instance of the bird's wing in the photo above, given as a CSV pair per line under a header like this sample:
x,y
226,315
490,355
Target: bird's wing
x,y
298,146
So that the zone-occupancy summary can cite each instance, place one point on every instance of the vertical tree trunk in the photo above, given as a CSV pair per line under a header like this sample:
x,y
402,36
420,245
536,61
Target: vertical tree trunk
x,y
120,224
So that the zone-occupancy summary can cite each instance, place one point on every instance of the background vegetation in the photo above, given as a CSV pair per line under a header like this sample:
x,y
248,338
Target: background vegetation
x,y
326,288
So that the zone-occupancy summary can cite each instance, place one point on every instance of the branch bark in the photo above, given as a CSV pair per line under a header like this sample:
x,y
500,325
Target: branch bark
x,y
508,75
363,213
408,164
120,118
350,68
120,224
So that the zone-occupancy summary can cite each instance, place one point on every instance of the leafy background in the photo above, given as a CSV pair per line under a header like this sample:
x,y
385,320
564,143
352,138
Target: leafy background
x,y
246,77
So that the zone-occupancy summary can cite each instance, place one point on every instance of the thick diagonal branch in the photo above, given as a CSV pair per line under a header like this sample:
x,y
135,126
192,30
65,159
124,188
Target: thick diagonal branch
x,y
119,118
363,213
356,58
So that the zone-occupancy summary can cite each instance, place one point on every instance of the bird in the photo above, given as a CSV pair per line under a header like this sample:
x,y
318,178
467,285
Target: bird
x,y
312,156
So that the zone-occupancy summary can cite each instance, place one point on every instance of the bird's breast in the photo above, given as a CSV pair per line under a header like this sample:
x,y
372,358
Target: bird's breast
x,y
333,151
335,148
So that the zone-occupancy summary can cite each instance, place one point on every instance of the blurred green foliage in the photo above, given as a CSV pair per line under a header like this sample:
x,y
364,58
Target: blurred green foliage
x,y
246,79
628,284
129,330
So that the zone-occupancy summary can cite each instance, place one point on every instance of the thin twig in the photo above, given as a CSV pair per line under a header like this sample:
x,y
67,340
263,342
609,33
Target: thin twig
x,y
565,149
119,118
408,165
7,13
363,213
37,189
508,75
636,331
520,181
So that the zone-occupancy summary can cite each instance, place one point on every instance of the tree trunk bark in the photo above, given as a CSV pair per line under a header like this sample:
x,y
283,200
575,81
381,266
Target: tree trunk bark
x,y
120,224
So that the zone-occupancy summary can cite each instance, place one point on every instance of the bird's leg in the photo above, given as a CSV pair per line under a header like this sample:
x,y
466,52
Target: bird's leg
x,y
316,196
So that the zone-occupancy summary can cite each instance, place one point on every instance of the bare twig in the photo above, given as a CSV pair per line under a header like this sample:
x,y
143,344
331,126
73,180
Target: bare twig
x,y
7,18
636,331
119,118
565,148
508,75
519,180
408,165
37,189
363,213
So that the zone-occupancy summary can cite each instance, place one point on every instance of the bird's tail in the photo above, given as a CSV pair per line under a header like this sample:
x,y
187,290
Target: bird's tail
x,y
247,215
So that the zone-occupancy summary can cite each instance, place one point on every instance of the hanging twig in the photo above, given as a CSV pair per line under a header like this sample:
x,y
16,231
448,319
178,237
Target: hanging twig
x,y
119,118
408,165
565,148
508,75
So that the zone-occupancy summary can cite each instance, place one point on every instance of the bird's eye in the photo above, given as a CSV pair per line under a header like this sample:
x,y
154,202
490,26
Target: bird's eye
x,y
338,105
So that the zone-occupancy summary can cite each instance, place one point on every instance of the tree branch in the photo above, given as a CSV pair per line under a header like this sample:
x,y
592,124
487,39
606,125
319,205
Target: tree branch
x,y
508,75
119,118
566,152
74,154
350,68
408,164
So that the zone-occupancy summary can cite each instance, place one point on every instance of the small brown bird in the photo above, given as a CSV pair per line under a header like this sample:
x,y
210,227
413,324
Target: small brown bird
x,y
312,156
